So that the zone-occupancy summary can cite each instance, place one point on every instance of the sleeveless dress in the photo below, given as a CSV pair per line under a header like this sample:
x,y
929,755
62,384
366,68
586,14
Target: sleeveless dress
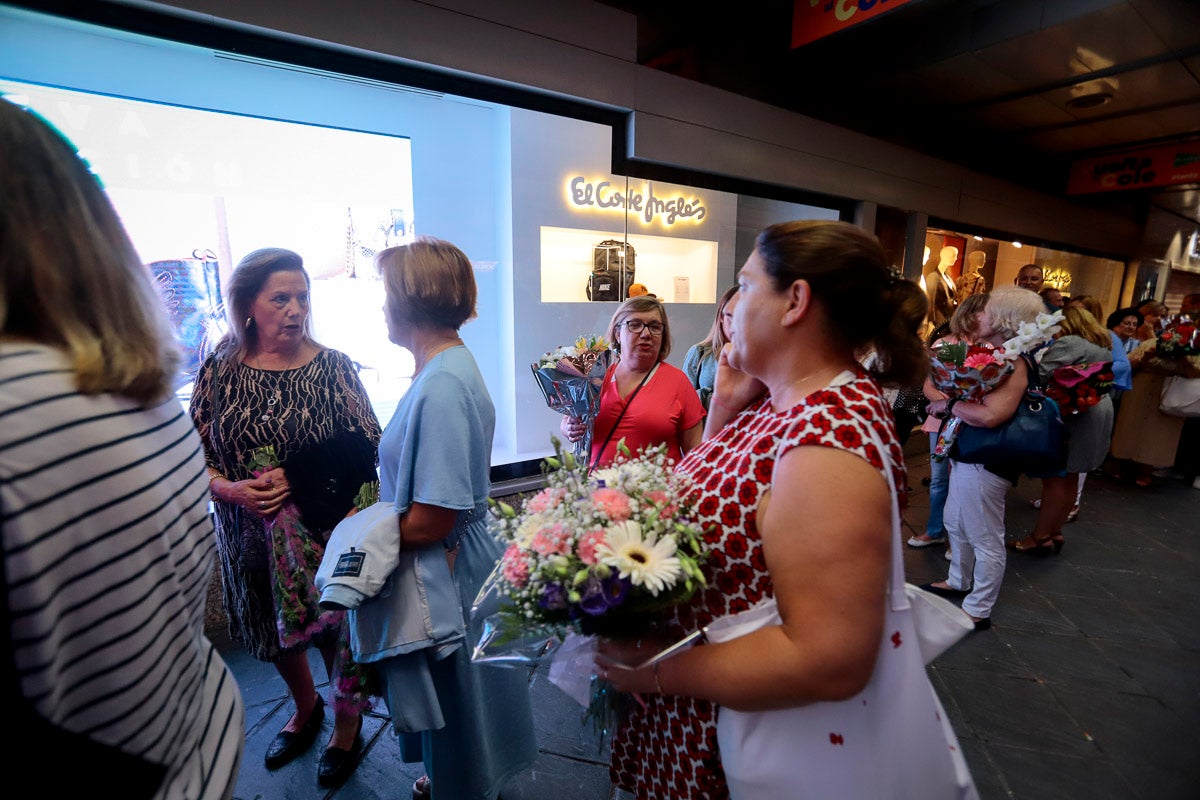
x,y
670,748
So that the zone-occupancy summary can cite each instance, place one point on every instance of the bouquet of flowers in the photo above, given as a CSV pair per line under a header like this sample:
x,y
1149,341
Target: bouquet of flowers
x,y
1178,339
571,377
294,561
593,553
1077,387
1174,351
969,371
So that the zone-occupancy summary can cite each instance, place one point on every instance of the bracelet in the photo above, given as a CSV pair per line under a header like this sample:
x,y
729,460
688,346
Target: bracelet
x,y
950,406
212,476
657,684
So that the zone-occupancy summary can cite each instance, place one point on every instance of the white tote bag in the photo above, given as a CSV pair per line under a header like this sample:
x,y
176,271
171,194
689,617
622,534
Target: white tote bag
x,y
1180,397
892,740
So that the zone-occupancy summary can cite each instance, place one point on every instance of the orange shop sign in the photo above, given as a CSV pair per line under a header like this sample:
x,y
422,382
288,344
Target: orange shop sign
x,y
816,19
1165,165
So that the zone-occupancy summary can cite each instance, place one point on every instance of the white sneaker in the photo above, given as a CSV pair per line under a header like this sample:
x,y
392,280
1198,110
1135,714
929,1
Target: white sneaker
x,y
948,558
924,541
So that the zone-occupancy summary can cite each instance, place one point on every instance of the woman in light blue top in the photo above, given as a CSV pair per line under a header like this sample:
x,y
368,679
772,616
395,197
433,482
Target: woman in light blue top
x,y
434,461
700,363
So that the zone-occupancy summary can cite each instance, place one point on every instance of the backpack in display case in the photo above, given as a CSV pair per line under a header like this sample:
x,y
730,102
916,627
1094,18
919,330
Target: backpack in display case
x,y
612,270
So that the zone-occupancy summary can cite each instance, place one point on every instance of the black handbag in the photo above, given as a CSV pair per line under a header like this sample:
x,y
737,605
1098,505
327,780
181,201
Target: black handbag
x,y
1033,441
325,477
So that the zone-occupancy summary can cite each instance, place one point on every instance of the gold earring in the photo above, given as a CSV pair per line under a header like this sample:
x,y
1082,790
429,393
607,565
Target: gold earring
x,y
249,322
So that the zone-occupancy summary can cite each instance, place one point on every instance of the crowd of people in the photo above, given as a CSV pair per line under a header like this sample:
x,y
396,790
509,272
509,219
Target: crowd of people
x,y
1129,439
779,420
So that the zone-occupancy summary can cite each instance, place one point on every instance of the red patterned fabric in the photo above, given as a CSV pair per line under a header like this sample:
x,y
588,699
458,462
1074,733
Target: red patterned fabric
x,y
670,749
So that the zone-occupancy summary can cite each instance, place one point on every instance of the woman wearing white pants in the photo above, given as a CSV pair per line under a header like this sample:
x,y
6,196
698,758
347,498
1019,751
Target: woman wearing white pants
x,y
974,515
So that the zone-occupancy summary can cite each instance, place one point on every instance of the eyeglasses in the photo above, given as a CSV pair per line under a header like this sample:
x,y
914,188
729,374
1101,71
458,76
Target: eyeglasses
x,y
636,326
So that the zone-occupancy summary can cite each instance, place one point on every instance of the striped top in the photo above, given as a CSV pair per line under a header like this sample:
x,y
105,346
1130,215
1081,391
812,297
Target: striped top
x,y
107,557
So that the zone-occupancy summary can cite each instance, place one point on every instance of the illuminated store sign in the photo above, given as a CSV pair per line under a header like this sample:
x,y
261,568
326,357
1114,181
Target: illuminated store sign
x,y
816,19
603,196
1164,165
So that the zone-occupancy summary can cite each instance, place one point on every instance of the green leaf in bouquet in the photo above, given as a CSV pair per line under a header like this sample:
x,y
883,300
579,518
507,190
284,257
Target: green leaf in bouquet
x,y
368,495
952,354
263,458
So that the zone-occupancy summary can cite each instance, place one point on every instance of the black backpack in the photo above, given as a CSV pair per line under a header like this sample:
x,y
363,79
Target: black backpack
x,y
613,264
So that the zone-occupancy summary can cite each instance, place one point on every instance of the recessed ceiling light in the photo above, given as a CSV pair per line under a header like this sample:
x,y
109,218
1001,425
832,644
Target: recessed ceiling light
x,y
1017,245
1093,100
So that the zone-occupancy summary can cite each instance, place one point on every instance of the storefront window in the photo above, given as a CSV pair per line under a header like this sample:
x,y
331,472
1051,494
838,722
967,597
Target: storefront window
x,y
208,156
967,263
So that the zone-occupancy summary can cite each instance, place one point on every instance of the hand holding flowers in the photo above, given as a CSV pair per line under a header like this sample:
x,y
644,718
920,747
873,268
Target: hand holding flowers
x,y
966,372
593,554
571,377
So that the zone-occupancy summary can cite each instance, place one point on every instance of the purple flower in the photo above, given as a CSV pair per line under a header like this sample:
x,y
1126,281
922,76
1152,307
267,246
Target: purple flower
x,y
615,589
594,601
553,597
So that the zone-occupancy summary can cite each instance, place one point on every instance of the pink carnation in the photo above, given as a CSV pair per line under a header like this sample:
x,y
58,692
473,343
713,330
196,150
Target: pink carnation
x,y
553,540
516,568
614,504
588,544
545,500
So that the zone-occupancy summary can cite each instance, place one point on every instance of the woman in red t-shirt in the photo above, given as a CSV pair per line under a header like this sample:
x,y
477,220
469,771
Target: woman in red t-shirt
x,y
644,401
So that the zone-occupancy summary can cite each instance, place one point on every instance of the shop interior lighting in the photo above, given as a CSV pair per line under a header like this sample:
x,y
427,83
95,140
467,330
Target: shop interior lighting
x,y
1017,245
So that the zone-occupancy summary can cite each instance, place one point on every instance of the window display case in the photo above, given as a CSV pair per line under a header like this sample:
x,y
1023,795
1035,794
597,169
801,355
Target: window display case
x,y
576,261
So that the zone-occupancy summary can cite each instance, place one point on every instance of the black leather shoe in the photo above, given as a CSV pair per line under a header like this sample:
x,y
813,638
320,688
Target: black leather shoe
x,y
948,593
337,764
983,624
287,745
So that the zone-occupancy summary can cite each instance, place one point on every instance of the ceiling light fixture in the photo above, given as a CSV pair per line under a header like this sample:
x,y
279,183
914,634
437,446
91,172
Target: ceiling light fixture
x,y
1017,245
1086,101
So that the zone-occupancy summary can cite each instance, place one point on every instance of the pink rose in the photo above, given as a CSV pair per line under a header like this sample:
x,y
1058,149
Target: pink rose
x,y
613,503
660,499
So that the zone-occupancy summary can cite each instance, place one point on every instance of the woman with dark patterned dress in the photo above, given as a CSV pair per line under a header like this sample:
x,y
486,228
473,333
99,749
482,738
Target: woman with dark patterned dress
x,y
270,383
795,500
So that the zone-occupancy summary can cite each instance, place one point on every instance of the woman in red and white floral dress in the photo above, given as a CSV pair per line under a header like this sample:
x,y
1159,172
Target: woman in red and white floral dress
x,y
797,506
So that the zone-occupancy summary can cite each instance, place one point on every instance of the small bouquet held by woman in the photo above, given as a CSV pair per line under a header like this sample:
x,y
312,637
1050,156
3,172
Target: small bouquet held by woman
x,y
598,553
969,371
1078,387
571,378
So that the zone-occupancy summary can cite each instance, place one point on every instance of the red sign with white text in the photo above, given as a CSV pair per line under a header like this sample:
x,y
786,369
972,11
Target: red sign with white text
x,y
816,19
1165,165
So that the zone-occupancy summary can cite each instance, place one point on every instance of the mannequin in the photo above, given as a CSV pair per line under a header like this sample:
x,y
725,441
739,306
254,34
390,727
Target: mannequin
x,y
971,282
939,286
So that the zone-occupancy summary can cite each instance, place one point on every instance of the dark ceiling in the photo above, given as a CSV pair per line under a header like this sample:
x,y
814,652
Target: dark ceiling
x,y
991,84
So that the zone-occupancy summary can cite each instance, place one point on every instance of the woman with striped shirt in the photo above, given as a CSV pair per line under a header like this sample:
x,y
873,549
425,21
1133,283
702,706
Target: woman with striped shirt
x,y
107,546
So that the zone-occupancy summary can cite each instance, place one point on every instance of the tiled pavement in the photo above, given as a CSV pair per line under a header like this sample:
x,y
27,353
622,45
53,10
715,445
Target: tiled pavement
x,y
1087,686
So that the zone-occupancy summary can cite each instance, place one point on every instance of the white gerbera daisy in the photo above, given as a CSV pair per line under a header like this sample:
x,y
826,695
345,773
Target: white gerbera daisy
x,y
648,562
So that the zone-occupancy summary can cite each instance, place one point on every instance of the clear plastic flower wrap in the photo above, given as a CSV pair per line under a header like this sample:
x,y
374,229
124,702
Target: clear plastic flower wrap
x,y
969,371
571,377
600,553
